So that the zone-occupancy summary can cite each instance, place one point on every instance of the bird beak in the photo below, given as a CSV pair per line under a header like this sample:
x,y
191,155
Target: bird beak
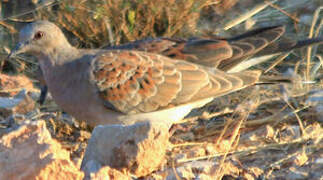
x,y
20,48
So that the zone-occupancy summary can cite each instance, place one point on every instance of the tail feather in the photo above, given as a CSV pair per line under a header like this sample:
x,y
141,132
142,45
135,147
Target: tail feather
x,y
256,40
303,43
264,79
286,45
254,32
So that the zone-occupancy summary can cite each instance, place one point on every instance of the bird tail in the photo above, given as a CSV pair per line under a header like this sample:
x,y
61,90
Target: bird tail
x,y
281,79
266,79
273,44
285,45
302,43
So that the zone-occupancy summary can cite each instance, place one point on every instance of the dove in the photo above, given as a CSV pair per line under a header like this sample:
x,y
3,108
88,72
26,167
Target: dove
x,y
232,54
133,83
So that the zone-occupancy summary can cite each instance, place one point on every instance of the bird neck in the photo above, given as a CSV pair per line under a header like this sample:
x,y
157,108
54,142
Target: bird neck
x,y
58,55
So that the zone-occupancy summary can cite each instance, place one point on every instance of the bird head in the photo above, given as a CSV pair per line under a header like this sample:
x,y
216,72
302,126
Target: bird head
x,y
39,38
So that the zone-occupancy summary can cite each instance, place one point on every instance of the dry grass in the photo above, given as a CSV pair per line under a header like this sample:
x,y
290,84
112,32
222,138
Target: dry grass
x,y
97,23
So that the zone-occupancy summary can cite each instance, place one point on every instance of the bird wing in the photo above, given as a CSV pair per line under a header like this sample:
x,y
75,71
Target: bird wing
x,y
250,43
136,81
222,53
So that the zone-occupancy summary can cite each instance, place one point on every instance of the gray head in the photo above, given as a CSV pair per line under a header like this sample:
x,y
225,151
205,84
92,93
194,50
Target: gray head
x,y
40,38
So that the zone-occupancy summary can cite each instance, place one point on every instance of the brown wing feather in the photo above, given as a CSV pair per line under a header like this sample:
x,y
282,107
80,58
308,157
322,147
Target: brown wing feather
x,y
132,82
251,44
222,53
135,82
216,52
211,51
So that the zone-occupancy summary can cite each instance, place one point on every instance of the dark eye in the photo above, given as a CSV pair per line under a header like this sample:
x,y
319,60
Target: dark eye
x,y
38,35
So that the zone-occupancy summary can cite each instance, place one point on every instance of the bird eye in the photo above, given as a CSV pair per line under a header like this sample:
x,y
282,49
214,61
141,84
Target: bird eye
x,y
38,35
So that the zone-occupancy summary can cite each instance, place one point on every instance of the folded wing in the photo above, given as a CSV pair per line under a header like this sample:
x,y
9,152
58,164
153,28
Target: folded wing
x,y
136,82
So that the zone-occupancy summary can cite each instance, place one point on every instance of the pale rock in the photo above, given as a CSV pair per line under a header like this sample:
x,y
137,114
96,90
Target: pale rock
x,y
108,173
190,170
22,103
138,149
29,152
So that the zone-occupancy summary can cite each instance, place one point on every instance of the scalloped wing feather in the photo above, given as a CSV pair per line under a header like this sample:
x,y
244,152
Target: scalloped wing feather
x,y
136,82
